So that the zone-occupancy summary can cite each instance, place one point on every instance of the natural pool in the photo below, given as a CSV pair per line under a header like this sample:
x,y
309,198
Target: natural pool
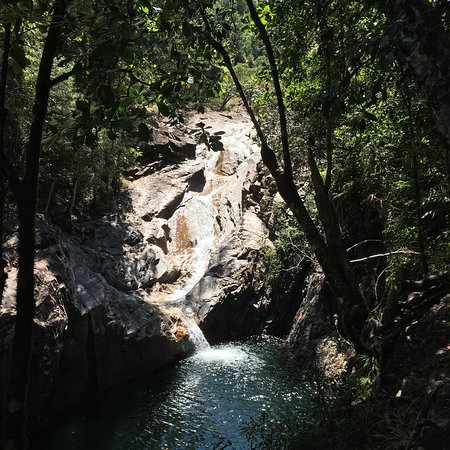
x,y
207,401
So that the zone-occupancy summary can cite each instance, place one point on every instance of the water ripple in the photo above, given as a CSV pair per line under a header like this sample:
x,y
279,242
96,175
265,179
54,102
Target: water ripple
x,y
202,403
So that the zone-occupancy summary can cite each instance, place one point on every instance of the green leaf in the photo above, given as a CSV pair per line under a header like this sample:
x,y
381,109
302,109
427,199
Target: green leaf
x,y
111,135
107,95
123,124
370,116
90,139
163,108
153,123
125,103
144,132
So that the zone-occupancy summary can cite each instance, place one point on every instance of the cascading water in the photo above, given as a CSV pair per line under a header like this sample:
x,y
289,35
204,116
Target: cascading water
x,y
195,333
201,231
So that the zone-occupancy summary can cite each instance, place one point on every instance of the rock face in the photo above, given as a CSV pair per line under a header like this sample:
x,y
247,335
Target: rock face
x,y
88,335
314,338
115,295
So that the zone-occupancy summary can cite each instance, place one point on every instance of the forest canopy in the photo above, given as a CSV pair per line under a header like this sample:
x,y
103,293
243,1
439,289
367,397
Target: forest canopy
x,y
350,101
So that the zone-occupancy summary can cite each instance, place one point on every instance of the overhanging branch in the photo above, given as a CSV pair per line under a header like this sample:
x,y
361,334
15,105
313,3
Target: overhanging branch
x,y
276,83
65,76
133,77
383,255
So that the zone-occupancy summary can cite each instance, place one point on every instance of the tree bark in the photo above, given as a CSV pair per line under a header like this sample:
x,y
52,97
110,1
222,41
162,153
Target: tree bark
x,y
3,180
16,429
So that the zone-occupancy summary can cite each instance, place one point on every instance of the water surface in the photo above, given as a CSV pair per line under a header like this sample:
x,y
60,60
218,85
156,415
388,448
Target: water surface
x,y
203,402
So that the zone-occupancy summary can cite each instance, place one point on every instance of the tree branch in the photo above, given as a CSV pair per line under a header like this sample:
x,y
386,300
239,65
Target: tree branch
x,y
383,255
364,242
276,82
133,76
65,76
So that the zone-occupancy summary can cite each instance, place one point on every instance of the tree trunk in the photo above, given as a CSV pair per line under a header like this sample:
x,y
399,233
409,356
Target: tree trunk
x,y
49,197
3,181
331,253
16,429
72,199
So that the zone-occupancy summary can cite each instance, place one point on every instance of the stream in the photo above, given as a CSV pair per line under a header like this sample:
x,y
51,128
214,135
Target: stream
x,y
204,402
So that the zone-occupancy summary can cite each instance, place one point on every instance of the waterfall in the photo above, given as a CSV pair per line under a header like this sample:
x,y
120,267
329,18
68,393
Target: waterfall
x,y
195,333
201,229
200,211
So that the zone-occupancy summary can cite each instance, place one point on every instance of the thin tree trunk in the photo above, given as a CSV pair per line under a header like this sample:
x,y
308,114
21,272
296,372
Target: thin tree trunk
x,y
16,429
419,223
416,183
50,194
331,254
3,181
72,200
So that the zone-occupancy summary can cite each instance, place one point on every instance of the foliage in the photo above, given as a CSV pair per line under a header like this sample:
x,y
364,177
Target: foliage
x,y
212,141
350,97
290,247
340,91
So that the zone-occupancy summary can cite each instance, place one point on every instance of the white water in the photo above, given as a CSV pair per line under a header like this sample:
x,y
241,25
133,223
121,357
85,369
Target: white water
x,y
227,354
195,333
200,210
201,230
202,218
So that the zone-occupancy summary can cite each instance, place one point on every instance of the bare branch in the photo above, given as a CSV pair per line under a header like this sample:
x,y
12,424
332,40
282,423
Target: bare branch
x,y
364,242
383,255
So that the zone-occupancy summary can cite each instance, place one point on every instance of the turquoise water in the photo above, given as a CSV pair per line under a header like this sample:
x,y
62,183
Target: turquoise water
x,y
204,402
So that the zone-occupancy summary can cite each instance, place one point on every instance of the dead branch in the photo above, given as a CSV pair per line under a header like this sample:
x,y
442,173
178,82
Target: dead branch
x,y
383,255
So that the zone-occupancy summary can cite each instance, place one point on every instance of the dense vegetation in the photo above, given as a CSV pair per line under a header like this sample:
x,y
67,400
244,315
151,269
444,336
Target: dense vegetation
x,y
350,101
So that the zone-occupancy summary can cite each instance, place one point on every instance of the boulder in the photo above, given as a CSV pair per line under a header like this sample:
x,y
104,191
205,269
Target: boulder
x,y
314,318
169,145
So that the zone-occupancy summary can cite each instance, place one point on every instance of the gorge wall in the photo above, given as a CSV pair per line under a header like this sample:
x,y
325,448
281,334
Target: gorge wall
x,y
117,295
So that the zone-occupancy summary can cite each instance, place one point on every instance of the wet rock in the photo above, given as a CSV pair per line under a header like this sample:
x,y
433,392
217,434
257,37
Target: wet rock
x,y
230,299
114,277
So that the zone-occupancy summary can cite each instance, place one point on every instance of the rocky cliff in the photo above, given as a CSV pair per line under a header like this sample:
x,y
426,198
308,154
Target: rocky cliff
x,y
118,295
